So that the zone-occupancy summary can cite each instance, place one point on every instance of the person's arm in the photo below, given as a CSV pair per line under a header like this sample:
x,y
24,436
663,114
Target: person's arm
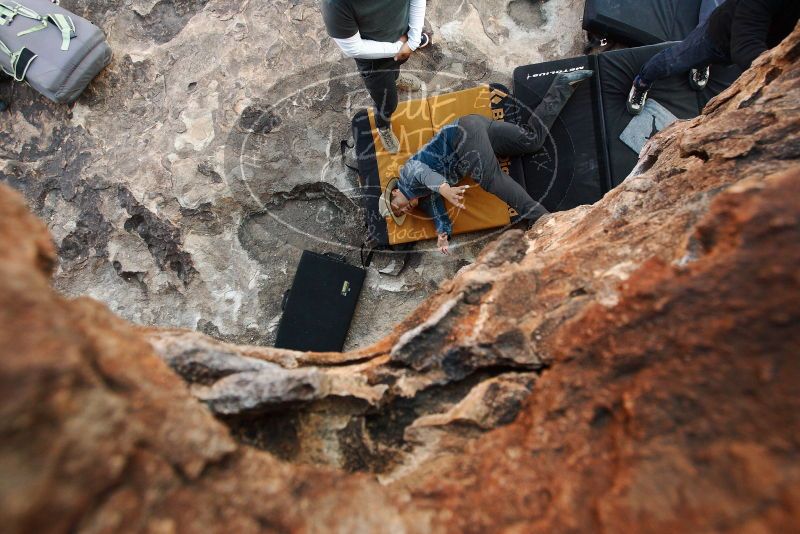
x,y
416,18
437,184
359,48
434,207
343,29
420,173
749,30
432,179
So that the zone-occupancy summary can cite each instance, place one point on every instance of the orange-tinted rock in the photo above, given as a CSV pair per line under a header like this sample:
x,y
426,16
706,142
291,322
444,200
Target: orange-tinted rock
x,y
668,316
674,410
671,403
98,435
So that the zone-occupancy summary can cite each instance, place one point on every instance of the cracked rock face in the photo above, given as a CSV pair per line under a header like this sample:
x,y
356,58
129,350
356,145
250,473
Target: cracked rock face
x,y
183,186
630,365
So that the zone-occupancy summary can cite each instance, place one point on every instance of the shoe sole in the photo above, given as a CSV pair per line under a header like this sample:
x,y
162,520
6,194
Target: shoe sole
x,y
426,45
632,111
390,150
696,86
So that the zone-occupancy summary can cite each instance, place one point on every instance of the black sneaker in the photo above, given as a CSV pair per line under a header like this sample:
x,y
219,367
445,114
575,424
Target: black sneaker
x,y
698,78
390,141
425,41
636,100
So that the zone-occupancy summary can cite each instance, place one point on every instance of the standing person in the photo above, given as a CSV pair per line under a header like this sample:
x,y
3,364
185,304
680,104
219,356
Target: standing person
x,y
467,147
738,31
380,35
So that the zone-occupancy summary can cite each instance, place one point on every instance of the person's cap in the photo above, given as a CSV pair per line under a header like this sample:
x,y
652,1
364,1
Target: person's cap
x,y
385,203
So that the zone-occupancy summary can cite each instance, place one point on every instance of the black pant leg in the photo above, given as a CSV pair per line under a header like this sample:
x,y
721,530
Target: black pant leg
x,y
477,159
548,110
512,140
380,77
697,50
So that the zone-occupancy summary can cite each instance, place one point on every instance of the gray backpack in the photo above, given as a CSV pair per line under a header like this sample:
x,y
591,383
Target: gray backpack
x,y
54,51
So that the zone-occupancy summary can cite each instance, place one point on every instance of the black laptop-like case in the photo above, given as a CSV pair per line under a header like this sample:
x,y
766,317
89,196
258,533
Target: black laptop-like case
x,y
320,304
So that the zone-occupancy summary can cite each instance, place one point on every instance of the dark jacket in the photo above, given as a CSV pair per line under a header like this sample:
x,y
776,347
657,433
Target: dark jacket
x,y
746,28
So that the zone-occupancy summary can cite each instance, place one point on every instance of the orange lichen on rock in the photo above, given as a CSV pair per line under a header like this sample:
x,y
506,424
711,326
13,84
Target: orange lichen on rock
x,y
663,323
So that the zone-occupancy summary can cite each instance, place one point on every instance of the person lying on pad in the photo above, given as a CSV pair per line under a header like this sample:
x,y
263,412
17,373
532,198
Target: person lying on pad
x,y
736,32
467,147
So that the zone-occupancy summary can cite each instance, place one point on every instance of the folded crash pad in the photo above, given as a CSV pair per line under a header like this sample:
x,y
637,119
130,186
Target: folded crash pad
x,y
645,22
616,72
590,149
415,122
641,22
570,169
62,66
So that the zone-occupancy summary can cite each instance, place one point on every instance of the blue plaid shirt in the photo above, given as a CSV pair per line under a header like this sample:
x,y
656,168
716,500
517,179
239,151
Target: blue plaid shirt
x,y
423,174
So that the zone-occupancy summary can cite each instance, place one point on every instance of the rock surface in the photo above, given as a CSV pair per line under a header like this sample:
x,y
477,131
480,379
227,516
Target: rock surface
x,y
657,332
97,435
183,186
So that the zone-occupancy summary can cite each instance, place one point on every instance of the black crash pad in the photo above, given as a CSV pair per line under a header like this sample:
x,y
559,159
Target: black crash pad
x,y
641,22
617,70
584,156
571,169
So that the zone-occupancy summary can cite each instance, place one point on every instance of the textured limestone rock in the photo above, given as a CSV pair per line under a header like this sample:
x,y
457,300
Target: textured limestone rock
x,y
183,186
97,435
662,322
492,403
669,403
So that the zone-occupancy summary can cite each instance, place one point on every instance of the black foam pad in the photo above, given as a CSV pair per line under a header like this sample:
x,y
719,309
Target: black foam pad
x,y
370,181
320,305
570,169
722,76
641,22
617,71
584,156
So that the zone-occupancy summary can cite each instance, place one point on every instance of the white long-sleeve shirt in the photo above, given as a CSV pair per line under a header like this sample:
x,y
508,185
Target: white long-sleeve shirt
x,y
356,47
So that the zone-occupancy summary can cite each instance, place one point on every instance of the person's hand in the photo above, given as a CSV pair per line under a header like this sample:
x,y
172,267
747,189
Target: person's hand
x,y
442,244
454,195
403,38
404,53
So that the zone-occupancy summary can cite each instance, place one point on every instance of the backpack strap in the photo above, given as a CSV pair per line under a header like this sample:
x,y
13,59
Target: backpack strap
x,y
42,25
20,61
10,9
6,15
366,259
66,27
